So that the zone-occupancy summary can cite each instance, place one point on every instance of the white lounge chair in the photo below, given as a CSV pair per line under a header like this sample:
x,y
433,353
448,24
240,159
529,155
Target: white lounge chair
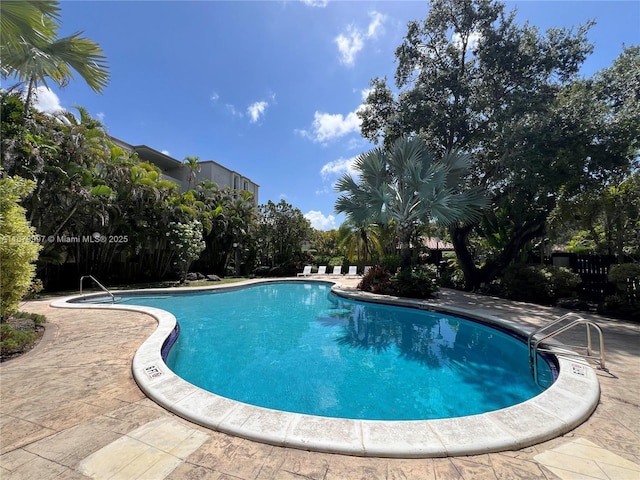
x,y
366,269
353,271
322,270
306,271
337,271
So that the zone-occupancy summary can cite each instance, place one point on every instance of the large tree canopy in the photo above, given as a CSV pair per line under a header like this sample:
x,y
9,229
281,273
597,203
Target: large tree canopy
x,y
469,77
280,232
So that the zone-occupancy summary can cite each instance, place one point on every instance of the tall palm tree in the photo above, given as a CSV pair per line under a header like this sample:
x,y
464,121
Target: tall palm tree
x,y
192,164
31,51
361,242
407,185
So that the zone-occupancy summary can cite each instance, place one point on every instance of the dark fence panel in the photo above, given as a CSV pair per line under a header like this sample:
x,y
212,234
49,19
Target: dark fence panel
x,y
593,271
633,291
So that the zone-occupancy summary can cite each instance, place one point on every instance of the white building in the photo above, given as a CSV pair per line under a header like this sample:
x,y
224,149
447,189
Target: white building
x,y
177,171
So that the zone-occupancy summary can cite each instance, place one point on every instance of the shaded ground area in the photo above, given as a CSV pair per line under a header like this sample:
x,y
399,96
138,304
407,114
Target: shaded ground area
x,y
71,409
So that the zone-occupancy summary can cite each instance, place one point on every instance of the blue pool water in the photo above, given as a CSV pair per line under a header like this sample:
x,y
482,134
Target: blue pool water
x,y
297,347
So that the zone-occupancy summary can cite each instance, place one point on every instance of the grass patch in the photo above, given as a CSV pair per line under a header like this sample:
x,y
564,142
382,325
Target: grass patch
x,y
20,333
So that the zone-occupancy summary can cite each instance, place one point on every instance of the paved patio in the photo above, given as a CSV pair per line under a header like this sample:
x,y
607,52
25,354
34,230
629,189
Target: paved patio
x,y
70,409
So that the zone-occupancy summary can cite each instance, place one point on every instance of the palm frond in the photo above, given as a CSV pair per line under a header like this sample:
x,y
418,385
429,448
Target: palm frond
x,y
408,186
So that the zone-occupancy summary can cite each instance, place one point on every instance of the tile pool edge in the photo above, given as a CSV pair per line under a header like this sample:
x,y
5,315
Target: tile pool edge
x,y
557,410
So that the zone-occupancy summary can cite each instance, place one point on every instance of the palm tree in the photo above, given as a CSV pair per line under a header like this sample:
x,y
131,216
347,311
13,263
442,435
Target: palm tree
x,y
191,163
360,241
29,21
407,185
31,51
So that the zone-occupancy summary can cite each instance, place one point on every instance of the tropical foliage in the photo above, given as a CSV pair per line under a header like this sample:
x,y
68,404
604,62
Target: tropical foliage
x,y
31,51
99,210
280,233
539,283
469,77
18,245
186,238
553,156
408,186
361,244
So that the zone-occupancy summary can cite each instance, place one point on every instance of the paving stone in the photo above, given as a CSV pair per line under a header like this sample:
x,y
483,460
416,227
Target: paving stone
x,y
71,446
16,432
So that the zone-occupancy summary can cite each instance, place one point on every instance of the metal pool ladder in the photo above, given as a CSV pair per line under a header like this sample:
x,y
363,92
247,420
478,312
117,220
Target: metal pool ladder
x,y
113,298
562,324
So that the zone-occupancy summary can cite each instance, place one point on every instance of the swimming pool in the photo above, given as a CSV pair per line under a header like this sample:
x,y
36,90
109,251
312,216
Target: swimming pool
x,y
297,347
567,403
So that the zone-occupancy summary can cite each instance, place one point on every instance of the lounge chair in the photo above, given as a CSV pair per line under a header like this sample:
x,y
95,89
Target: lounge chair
x,y
366,269
322,270
353,271
306,271
337,271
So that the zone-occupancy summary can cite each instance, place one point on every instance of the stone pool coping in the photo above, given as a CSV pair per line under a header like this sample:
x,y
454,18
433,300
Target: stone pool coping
x,y
563,406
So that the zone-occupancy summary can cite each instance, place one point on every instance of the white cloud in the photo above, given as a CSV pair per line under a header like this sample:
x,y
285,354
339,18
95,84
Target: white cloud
x,y
256,110
375,27
320,221
328,126
100,116
338,167
46,101
214,97
352,41
166,152
349,44
315,3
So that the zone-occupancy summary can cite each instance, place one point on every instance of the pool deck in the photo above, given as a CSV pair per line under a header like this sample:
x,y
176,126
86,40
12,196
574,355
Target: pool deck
x,y
71,409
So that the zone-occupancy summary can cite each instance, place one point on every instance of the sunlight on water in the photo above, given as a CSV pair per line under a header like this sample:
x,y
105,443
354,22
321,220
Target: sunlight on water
x,y
297,347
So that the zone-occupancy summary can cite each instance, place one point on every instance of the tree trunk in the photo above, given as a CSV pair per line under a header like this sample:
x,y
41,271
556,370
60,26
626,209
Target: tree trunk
x,y
28,100
475,277
405,249
494,267
465,259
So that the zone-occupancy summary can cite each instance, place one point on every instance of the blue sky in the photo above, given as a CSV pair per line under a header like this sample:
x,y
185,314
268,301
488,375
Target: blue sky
x,y
270,88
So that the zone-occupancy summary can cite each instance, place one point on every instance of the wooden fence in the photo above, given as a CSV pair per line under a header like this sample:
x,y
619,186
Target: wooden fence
x,y
593,271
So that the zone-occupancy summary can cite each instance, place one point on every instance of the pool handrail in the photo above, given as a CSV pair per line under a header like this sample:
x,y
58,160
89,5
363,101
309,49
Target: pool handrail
x,y
534,342
95,280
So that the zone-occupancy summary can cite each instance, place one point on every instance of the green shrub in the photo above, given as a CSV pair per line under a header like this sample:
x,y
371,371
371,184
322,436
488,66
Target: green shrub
x,y
543,284
452,275
564,281
262,271
391,263
420,282
12,340
34,289
376,280
619,274
18,248
36,317
618,306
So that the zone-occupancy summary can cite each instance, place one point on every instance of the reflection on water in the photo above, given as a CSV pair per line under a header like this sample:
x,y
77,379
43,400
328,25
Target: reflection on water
x,y
429,340
297,347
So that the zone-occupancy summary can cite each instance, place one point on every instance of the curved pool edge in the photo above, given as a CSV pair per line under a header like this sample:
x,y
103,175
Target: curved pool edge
x,y
563,406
